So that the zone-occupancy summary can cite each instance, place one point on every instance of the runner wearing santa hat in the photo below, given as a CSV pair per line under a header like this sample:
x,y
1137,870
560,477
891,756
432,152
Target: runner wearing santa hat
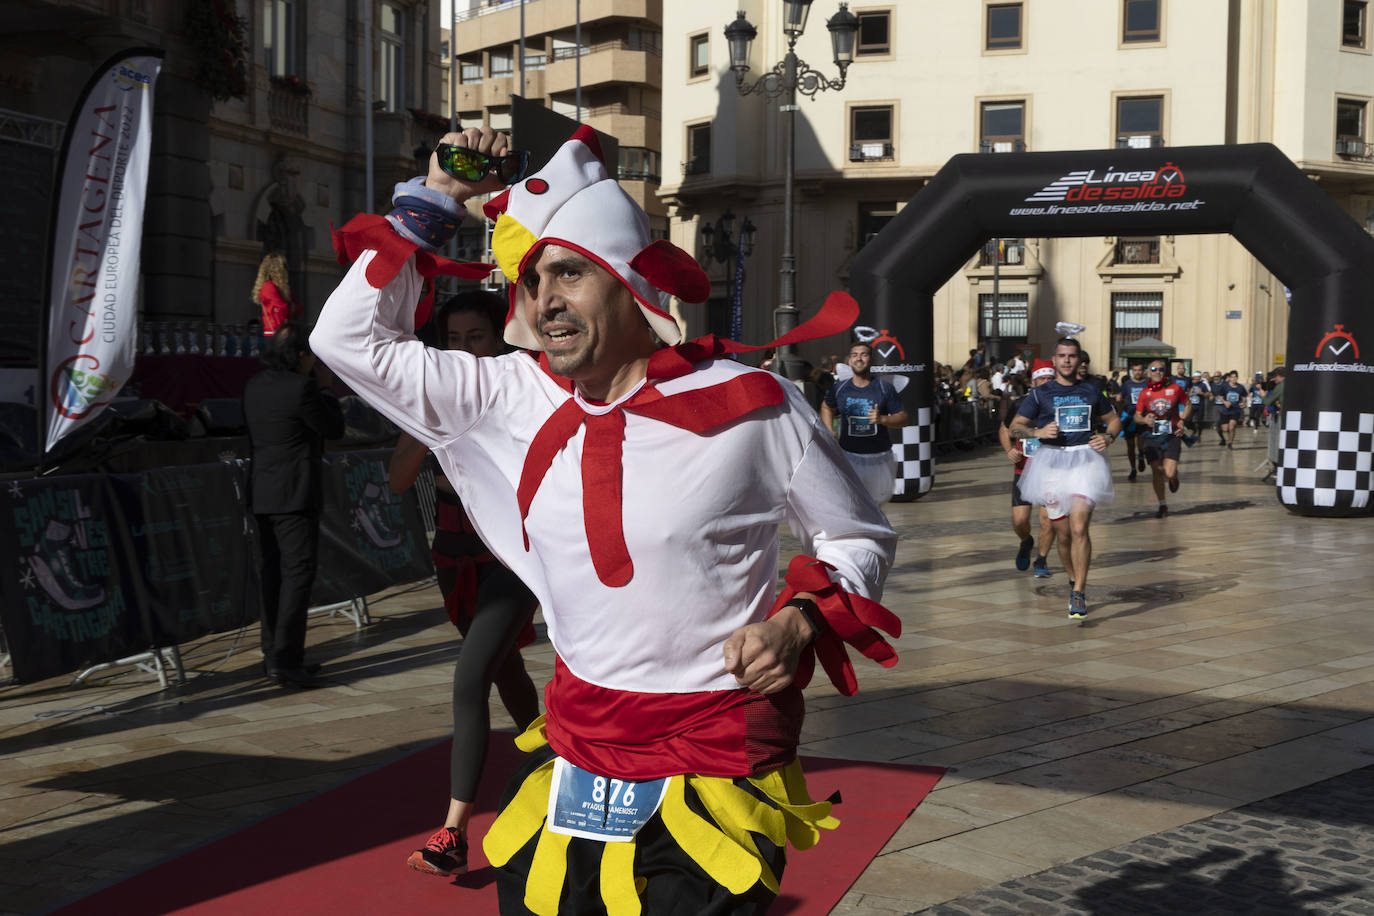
x,y
1070,475
636,485
1019,452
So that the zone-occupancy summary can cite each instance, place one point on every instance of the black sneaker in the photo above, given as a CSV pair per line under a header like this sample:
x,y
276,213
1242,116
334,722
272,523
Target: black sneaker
x,y
1023,560
1042,567
1173,484
1140,463
1131,476
1078,605
444,854
1163,511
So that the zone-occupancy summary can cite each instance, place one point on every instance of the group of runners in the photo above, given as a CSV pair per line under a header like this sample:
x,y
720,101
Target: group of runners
x,y
1057,437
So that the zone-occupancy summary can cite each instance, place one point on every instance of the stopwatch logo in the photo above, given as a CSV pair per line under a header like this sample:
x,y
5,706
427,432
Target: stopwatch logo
x,y
882,342
1338,344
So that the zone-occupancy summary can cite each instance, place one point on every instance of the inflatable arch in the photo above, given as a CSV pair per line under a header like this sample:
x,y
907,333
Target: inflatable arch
x,y
1252,191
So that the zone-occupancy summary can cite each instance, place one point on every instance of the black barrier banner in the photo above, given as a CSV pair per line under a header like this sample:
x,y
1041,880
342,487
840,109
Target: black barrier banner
x,y
1252,191
187,532
370,537
65,599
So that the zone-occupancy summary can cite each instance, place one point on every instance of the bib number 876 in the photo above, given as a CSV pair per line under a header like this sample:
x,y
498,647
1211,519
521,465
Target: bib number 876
x,y
599,791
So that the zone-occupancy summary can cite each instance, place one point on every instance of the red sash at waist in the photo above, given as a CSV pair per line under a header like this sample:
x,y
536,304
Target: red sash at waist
x,y
630,735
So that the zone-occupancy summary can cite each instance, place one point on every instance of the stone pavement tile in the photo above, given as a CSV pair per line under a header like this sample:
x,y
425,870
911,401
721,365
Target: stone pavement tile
x,y
1271,770
1194,743
1149,807
901,876
922,826
1001,799
886,745
1031,843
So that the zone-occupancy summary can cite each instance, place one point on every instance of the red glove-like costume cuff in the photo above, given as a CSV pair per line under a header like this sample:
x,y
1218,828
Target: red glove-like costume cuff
x,y
850,618
370,231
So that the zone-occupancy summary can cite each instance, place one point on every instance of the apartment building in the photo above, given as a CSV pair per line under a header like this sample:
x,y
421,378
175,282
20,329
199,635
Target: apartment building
x,y
931,80
596,61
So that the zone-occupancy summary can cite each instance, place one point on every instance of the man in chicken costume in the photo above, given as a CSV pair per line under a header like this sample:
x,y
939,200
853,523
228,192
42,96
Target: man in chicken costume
x,y
636,484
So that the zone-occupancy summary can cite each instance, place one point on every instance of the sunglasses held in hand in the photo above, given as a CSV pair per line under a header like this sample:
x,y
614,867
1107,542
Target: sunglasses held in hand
x,y
470,165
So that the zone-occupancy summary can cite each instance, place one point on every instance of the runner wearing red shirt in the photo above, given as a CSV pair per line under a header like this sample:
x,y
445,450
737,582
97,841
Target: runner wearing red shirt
x,y
1160,411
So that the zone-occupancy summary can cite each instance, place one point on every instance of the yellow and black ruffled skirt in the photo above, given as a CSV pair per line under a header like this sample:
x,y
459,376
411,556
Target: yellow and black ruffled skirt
x,y
716,846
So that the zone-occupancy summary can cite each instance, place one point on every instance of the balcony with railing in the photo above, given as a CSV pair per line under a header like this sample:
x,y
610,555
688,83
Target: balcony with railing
x,y
288,106
1009,145
874,151
1139,141
1354,148
697,165
636,60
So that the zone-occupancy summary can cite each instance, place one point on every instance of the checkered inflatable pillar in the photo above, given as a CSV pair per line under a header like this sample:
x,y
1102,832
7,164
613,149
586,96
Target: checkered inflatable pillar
x,y
914,453
1326,460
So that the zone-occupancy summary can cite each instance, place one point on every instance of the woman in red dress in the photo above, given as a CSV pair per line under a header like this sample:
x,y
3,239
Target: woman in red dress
x,y
272,292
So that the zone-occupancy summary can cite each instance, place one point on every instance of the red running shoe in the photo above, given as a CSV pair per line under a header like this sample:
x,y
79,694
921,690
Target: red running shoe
x,y
444,854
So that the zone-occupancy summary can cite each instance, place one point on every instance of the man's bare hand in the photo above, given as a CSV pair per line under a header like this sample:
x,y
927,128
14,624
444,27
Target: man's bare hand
x,y
482,139
763,656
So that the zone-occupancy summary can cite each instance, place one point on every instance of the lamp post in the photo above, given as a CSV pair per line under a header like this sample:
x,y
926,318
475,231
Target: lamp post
x,y
723,248
789,76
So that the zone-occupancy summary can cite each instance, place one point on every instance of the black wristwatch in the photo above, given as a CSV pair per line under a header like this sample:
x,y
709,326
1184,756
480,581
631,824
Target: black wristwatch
x,y
812,614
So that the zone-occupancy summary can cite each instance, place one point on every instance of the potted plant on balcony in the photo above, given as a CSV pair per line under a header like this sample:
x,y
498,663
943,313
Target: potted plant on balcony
x,y
292,84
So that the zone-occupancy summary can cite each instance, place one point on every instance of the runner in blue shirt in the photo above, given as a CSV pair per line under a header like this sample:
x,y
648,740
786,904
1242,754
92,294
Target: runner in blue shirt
x,y
867,408
1127,395
1070,474
1230,397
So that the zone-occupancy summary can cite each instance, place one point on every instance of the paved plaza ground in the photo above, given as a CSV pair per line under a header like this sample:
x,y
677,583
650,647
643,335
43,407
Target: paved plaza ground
x,y
1205,743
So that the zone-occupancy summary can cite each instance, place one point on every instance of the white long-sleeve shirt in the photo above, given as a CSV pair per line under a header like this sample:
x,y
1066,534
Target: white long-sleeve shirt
x,y
700,512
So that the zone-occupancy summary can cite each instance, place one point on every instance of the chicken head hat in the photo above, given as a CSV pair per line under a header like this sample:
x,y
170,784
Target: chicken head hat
x,y
573,202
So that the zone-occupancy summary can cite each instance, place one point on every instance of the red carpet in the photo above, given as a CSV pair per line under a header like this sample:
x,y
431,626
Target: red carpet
x,y
344,851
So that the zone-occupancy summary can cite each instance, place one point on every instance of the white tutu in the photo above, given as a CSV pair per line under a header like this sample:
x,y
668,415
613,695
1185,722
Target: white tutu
x,y
1055,477
876,472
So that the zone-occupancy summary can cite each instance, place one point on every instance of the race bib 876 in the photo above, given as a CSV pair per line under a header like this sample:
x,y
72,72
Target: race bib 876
x,y
583,804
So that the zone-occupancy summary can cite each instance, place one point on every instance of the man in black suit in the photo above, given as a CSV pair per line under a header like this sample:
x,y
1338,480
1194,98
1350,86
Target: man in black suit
x,y
288,420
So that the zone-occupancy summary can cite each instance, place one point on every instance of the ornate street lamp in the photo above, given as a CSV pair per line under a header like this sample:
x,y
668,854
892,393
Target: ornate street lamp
x,y
788,77
724,248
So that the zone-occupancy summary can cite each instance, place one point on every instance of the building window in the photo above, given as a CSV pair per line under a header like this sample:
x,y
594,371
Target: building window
x,y
870,133
1350,127
1354,24
391,66
469,71
875,36
699,55
1134,316
1002,127
872,219
1003,323
279,37
1137,250
1139,122
536,61
502,62
1003,27
1004,252
443,50
698,150
637,164
1140,20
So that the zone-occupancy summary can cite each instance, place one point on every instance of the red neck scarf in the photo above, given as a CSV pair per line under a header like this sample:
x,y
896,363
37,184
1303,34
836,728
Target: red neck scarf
x,y
699,411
